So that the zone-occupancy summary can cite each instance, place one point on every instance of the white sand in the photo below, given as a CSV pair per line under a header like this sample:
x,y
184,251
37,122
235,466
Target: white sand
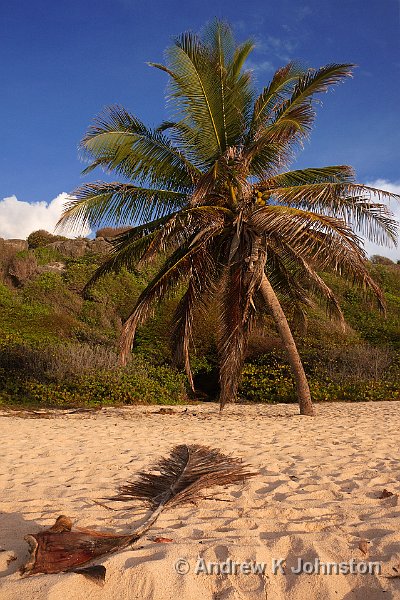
x,y
316,496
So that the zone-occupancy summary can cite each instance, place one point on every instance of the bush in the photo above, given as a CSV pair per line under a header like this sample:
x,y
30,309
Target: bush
x,y
276,385
270,384
353,372
45,255
80,375
40,238
376,259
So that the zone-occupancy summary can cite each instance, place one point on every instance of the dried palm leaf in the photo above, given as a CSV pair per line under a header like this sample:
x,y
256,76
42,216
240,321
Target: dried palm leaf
x,y
174,480
182,476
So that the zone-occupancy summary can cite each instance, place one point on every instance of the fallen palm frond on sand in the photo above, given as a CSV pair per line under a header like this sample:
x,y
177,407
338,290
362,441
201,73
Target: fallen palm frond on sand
x,y
177,479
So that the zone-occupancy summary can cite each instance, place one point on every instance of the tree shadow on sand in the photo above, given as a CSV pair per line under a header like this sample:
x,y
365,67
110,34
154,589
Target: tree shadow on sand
x,y
367,592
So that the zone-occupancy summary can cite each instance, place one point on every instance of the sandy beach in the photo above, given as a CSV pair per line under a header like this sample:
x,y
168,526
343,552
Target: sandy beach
x,y
316,496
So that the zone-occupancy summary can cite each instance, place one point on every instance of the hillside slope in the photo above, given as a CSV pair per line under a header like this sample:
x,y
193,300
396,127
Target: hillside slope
x,y
60,348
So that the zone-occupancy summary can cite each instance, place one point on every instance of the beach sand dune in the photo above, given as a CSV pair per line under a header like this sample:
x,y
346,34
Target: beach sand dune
x,y
316,496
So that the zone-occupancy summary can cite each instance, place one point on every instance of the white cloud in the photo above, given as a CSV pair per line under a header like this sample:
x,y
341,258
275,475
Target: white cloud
x,y
281,48
394,205
263,66
19,218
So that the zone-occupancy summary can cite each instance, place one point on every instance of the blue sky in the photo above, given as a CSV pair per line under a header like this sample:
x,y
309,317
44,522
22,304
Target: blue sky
x,y
62,61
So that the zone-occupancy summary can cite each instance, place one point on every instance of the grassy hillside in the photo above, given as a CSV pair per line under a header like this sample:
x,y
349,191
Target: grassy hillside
x,y
58,348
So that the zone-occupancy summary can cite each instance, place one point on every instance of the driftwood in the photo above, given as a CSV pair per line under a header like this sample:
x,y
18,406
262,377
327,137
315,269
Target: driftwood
x,y
174,480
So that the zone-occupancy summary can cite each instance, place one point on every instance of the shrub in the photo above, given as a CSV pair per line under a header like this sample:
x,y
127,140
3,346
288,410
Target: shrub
x,y
376,259
78,375
40,238
270,384
6,296
49,288
45,255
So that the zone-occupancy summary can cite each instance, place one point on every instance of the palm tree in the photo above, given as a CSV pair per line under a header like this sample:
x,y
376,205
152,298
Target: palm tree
x,y
209,190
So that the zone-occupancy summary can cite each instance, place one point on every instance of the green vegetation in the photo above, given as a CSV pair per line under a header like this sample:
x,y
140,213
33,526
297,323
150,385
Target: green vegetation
x,y
60,349
41,238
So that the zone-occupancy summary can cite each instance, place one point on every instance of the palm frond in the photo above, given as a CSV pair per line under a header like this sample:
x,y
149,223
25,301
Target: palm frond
x,y
128,249
331,174
140,245
283,276
295,225
182,225
183,475
329,242
273,95
128,258
349,201
193,90
241,54
177,479
296,112
293,268
293,118
124,203
203,281
208,91
189,140
119,142
175,270
335,251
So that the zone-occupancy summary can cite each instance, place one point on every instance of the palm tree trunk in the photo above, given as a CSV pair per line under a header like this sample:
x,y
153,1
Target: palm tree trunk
x,y
302,388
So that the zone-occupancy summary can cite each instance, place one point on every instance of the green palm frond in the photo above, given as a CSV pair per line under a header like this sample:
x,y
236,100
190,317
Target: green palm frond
x,y
119,142
94,203
274,94
206,89
270,159
294,117
193,89
297,111
349,201
331,174
186,138
241,54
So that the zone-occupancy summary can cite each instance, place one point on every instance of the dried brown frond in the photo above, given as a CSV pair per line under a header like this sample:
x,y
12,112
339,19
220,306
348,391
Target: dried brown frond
x,y
181,476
